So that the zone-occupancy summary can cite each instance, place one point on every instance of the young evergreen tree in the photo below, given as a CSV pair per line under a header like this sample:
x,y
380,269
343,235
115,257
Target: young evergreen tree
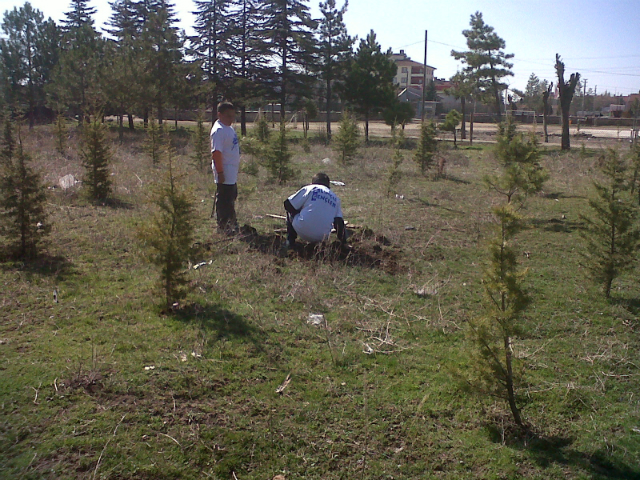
x,y
9,143
521,173
485,61
612,233
398,113
278,157
566,91
368,84
61,134
505,301
347,141
394,175
22,203
201,145
336,49
427,146
154,142
96,155
262,129
450,124
166,238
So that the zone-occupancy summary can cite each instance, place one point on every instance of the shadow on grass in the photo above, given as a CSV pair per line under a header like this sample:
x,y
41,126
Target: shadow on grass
x,y
559,226
117,204
559,195
546,451
632,305
435,205
44,265
214,318
453,179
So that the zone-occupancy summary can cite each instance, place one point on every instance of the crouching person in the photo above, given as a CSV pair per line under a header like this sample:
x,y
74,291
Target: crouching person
x,y
312,211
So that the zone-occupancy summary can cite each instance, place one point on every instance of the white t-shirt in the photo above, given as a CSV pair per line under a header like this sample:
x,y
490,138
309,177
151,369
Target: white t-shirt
x,y
225,140
318,207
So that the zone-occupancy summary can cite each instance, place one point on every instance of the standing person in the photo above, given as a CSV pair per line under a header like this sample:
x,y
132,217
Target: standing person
x,y
225,161
312,211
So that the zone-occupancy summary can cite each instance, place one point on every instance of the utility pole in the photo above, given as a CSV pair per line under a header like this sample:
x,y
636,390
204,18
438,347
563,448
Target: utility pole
x,y
584,94
424,75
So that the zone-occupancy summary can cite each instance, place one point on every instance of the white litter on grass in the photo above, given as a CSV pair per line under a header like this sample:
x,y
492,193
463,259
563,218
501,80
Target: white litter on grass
x,y
202,264
326,161
315,319
150,367
336,182
183,357
399,197
196,355
67,182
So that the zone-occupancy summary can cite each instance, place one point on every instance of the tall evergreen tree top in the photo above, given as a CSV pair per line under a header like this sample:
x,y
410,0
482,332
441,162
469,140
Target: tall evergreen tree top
x,y
79,15
485,60
335,43
125,19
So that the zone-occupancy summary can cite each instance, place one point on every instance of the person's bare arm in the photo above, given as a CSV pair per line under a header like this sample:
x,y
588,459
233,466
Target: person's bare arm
x,y
216,156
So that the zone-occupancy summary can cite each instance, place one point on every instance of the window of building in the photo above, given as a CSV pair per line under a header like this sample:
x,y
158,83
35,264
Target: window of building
x,y
404,70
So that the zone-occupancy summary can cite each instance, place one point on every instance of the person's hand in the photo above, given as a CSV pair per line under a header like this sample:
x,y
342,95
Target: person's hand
x,y
220,177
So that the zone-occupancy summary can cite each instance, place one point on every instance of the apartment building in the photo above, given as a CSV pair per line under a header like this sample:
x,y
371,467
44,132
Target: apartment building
x,y
409,73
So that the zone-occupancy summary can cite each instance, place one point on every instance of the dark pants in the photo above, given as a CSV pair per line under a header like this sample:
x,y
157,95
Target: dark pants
x,y
226,206
292,235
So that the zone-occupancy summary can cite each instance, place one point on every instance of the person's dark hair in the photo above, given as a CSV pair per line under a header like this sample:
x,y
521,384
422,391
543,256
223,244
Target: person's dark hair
x,y
224,106
321,179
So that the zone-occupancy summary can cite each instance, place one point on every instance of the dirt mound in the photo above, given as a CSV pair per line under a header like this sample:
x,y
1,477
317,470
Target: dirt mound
x,y
364,249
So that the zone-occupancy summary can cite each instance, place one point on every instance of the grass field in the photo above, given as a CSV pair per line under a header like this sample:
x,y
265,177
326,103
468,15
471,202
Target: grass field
x,y
101,382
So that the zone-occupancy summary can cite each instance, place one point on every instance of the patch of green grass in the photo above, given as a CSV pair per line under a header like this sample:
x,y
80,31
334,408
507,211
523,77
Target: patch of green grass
x,y
103,383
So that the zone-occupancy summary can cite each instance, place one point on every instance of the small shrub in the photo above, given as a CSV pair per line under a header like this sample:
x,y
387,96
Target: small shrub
x,y
201,144
167,237
22,202
427,147
278,157
61,134
347,141
96,155
612,233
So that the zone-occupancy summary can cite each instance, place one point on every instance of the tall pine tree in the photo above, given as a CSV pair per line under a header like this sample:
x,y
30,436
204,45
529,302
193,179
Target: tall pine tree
x,y
368,84
289,31
336,49
485,61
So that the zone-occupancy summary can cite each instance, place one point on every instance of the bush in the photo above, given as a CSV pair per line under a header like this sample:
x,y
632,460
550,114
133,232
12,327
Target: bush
x,y
347,141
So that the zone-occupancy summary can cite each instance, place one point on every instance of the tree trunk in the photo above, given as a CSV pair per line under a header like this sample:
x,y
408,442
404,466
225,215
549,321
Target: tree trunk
x,y
366,127
243,120
463,132
131,125
328,109
471,124
566,141
509,383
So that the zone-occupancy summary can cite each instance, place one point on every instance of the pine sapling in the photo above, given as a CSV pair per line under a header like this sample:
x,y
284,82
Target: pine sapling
x,y
450,124
22,204
262,129
61,134
153,145
166,238
201,144
96,155
635,175
612,233
504,303
347,141
394,175
9,143
427,147
278,157
521,173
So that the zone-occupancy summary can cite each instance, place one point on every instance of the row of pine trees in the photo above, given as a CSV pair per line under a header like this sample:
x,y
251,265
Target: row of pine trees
x,y
252,52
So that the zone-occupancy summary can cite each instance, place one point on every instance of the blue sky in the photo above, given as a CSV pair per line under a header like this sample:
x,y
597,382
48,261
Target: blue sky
x,y
598,38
